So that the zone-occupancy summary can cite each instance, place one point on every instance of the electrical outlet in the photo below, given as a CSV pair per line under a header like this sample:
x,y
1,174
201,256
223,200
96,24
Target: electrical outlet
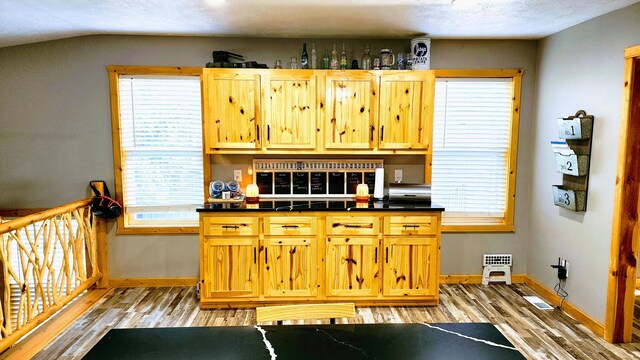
x,y
237,175
398,175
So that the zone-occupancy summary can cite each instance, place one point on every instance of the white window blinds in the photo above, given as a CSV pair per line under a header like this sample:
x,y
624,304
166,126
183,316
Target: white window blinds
x,y
471,144
161,149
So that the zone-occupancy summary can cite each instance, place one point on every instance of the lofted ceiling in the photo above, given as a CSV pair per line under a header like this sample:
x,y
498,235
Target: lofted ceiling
x,y
27,21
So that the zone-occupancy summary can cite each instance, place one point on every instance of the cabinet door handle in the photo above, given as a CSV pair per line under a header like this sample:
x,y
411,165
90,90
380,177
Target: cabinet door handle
x,y
382,133
255,255
386,254
376,257
268,132
265,256
372,128
230,226
257,132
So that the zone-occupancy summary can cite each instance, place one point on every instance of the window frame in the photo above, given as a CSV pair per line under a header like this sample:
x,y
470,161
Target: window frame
x,y
115,71
489,224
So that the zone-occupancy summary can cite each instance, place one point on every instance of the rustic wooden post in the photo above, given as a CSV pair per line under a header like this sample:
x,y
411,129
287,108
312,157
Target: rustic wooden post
x,y
100,229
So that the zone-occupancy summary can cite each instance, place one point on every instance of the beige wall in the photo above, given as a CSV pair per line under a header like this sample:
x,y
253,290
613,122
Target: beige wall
x,y
579,68
56,132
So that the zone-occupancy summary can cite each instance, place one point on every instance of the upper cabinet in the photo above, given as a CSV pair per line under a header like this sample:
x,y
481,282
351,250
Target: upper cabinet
x,y
406,109
289,110
351,111
317,111
231,109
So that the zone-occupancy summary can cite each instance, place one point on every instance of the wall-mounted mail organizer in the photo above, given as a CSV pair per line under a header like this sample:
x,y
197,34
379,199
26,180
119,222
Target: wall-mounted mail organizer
x,y
572,160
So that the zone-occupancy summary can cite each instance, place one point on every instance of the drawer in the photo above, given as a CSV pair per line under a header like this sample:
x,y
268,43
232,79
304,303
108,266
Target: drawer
x,y
290,225
230,226
353,225
411,225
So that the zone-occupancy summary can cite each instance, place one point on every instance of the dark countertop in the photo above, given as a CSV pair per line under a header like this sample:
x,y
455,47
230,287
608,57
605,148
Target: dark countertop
x,y
465,341
319,205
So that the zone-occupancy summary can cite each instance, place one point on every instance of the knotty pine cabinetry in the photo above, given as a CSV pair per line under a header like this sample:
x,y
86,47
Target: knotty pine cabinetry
x,y
317,111
382,258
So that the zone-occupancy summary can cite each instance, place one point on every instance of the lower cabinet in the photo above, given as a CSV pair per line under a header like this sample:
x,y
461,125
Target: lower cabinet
x,y
352,266
290,267
410,266
230,267
367,258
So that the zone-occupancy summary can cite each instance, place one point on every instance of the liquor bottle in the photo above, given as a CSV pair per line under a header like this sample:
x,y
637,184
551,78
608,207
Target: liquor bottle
x,y
325,59
366,59
304,59
343,58
334,58
314,57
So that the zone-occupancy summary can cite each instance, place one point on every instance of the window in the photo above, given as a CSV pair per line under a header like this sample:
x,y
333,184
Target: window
x,y
160,180
474,150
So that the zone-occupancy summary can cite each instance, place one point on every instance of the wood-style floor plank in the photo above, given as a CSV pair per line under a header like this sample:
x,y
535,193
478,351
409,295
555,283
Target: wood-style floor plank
x,y
537,334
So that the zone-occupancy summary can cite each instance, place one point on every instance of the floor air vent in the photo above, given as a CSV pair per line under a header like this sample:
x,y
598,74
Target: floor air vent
x,y
538,303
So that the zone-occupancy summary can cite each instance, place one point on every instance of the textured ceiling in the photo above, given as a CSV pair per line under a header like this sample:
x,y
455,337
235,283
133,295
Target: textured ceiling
x,y
26,21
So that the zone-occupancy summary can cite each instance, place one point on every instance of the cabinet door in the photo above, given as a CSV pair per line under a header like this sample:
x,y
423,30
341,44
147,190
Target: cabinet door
x,y
406,110
230,267
410,266
290,267
351,111
353,266
290,111
232,109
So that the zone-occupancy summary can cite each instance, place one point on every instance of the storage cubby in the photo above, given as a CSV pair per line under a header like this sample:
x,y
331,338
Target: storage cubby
x,y
577,130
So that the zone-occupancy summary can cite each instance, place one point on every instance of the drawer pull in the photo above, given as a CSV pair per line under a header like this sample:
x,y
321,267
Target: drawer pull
x,y
413,226
352,226
290,226
230,227
357,226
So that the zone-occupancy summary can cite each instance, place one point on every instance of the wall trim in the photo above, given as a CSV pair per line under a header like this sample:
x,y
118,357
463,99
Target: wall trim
x,y
152,282
567,307
476,279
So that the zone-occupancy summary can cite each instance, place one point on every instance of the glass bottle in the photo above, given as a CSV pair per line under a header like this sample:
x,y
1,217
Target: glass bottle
x,y
366,58
343,58
325,59
294,63
314,57
304,58
334,58
278,64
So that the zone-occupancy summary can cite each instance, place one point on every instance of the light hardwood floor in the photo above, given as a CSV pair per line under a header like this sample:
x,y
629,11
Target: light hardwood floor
x,y
537,334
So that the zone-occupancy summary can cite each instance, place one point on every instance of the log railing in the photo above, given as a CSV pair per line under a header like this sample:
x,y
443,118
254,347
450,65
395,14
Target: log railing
x,y
47,259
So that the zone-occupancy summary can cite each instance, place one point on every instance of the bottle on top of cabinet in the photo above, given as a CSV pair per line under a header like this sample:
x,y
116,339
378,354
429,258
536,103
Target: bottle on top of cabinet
x,y
304,58
334,58
325,59
366,58
314,57
343,58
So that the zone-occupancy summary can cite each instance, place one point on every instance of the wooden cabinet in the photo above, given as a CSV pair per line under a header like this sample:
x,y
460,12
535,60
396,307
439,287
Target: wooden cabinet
x,y
231,109
406,110
373,258
353,267
229,267
290,266
289,110
351,111
410,266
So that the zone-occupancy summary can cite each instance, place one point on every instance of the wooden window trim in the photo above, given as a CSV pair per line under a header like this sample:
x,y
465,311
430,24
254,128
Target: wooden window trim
x,y
505,224
114,72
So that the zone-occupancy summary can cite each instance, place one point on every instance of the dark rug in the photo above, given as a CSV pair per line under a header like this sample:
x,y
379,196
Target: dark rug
x,y
355,341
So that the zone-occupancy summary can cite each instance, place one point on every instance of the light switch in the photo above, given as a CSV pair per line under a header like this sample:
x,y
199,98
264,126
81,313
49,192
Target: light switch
x,y
398,175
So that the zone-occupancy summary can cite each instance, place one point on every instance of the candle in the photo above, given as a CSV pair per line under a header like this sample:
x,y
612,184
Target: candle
x,y
253,194
362,193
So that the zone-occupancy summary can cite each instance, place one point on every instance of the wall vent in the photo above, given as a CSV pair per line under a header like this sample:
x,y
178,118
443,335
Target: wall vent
x,y
497,259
